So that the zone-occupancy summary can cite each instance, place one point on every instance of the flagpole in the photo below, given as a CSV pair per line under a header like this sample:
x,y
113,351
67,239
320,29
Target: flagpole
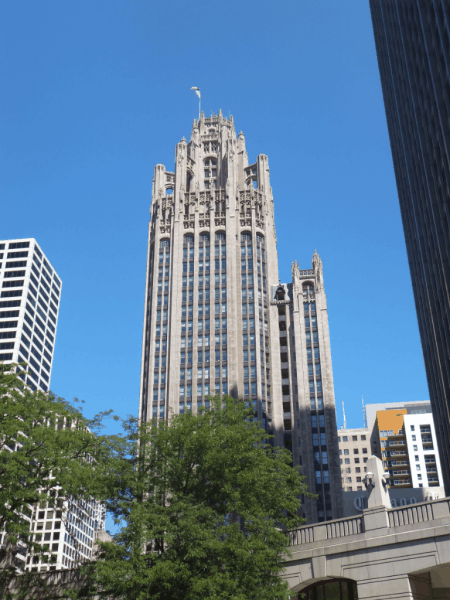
x,y
197,91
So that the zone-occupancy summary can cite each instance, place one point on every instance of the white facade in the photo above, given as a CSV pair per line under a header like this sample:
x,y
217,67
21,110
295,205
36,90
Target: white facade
x,y
422,450
30,292
70,534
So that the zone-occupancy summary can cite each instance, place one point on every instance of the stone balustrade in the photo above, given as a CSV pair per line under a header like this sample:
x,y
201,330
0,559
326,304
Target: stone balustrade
x,y
412,514
388,552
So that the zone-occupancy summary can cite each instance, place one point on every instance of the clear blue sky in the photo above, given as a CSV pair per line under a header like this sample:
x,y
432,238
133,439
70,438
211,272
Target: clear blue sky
x,y
95,93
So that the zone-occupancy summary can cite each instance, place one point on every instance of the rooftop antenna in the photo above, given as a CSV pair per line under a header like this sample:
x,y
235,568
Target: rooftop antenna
x,y
197,91
343,412
364,413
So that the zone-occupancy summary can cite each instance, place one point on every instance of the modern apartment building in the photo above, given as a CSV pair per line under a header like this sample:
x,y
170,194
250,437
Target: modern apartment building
x,y
354,452
29,307
30,292
413,47
217,320
408,448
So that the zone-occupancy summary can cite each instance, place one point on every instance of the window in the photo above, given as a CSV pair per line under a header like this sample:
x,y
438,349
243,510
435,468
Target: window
x,y
346,451
345,439
355,451
413,438
364,450
412,428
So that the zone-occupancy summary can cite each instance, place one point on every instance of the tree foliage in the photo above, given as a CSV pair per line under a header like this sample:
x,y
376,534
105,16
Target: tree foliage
x,y
204,512
48,451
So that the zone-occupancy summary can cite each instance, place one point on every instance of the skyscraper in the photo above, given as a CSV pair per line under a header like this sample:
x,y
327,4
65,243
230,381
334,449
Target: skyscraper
x,y
413,48
218,321
30,292
29,308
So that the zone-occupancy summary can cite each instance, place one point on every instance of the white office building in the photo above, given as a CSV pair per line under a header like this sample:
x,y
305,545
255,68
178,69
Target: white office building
x,y
30,292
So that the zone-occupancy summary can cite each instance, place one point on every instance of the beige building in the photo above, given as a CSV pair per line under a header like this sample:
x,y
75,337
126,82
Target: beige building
x,y
218,321
354,452
383,553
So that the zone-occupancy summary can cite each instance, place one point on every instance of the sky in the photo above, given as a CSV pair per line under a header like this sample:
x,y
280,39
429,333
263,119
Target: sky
x,y
95,93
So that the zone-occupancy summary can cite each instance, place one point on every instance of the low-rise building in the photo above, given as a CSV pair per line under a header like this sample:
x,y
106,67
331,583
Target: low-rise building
x,y
354,452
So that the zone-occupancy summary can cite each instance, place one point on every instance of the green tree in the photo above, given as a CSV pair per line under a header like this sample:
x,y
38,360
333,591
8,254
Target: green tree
x,y
204,513
48,451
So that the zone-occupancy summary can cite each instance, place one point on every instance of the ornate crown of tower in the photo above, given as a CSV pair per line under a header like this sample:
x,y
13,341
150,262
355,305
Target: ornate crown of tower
x,y
210,170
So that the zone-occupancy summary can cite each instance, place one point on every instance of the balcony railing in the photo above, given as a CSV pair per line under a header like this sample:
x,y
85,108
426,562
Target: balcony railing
x,y
402,481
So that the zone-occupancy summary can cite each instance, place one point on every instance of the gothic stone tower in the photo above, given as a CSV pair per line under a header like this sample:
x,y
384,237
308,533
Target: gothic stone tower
x,y
309,416
211,324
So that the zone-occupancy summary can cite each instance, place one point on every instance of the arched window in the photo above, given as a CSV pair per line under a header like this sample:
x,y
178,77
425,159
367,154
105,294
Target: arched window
x,y
165,243
220,235
280,293
204,237
308,289
189,240
189,178
331,589
246,237
169,191
210,165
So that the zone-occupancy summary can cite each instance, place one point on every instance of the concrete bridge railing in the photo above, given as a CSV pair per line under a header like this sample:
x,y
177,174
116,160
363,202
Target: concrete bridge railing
x,y
400,553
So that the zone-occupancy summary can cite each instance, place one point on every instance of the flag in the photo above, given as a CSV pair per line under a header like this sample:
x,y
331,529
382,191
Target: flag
x,y
197,91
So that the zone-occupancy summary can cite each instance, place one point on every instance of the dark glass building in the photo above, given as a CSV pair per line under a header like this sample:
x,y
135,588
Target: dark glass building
x,y
412,40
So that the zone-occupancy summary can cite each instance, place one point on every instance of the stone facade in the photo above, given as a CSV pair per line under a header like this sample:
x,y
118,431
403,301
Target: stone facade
x,y
401,553
215,321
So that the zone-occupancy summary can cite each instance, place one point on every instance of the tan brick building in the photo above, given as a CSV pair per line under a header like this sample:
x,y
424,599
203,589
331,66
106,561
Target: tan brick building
x,y
354,452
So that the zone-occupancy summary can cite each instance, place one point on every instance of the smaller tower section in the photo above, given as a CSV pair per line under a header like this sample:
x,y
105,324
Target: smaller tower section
x,y
309,425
